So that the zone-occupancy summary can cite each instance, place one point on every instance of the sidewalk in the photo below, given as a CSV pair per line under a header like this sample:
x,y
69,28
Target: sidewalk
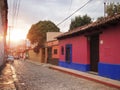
x,y
6,78
96,78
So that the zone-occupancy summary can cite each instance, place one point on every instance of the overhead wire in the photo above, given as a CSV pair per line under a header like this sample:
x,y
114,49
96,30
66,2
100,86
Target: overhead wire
x,y
15,11
69,9
70,6
74,12
10,3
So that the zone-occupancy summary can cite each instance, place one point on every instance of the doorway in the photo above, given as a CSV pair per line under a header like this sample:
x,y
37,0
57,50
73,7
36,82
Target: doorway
x,y
94,52
68,53
49,53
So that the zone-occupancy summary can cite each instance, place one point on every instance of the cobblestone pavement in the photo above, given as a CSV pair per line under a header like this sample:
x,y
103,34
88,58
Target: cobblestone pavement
x,y
39,77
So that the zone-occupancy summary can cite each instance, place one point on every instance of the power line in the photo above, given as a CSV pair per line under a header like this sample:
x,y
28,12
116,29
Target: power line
x,y
70,6
74,12
69,9
15,11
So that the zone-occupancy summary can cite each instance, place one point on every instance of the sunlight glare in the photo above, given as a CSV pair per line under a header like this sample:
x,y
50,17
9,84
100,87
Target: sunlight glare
x,y
16,35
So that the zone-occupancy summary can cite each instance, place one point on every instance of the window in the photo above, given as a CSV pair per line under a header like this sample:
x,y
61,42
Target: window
x,y
62,50
55,51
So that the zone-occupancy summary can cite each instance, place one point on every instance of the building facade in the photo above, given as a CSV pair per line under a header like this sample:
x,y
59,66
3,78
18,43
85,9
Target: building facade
x,y
52,52
3,30
52,48
37,57
94,47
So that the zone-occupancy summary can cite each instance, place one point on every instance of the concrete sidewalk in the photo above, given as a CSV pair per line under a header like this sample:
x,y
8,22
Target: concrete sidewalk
x,y
96,78
7,78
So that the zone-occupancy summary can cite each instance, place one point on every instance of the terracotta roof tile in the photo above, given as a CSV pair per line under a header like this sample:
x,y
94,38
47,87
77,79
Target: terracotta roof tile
x,y
107,20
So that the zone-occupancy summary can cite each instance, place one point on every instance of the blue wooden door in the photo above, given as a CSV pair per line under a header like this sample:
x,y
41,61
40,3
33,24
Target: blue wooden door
x,y
68,55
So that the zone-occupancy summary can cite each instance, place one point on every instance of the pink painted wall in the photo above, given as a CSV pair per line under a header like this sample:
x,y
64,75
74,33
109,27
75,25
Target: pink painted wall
x,y
110,46
80,53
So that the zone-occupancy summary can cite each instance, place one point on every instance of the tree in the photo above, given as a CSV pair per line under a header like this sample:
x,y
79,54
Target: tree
x,y
112,9
79,21
37,33
100,18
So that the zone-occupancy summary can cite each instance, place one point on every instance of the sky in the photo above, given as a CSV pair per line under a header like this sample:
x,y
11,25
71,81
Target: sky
x,y
33,11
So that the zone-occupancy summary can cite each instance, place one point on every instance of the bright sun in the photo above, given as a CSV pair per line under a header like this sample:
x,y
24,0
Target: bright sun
x,y
16,35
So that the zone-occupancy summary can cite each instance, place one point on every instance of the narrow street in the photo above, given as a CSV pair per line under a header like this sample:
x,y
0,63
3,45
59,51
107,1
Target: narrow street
x,y
39,77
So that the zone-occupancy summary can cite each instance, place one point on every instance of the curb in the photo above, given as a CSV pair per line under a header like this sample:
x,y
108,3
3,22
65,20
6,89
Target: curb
x,y
95,78
15,80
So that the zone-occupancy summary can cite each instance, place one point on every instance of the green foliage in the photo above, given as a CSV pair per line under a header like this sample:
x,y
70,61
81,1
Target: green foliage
x,y
37,33
79,21
100,18
112,9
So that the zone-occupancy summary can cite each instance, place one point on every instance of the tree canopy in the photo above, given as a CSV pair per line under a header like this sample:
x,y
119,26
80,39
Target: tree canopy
x,y
112,9
79,21
37,33
100,18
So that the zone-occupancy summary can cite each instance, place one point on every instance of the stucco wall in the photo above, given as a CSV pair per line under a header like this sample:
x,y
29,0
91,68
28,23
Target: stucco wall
x,y
3,29
79,49
52,43
52,35
109,65
56,56
36,57
110,46
1,42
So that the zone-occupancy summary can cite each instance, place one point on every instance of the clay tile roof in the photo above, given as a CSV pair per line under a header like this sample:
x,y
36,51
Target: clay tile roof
x,y
91,26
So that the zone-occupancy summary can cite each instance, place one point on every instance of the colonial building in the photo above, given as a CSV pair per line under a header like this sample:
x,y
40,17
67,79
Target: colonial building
x,y
94,47
52,48
3,30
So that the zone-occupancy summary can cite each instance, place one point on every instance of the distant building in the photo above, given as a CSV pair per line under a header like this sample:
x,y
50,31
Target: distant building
x,y
3,30
49,53
93,48
52,48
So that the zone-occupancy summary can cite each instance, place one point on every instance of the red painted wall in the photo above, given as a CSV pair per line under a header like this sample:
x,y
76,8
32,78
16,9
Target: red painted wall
x,y
110,48
79,49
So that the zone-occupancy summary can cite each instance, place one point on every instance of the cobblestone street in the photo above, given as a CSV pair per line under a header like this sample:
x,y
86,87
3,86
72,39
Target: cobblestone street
x,y
39,77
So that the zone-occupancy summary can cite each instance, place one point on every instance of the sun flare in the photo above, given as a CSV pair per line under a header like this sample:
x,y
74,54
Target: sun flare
x,y
16,35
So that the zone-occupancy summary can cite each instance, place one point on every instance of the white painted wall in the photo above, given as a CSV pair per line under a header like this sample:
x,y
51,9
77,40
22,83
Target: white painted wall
x,y
51,35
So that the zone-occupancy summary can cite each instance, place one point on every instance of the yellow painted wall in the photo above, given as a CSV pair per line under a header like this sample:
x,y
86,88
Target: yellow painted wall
x,y
36,57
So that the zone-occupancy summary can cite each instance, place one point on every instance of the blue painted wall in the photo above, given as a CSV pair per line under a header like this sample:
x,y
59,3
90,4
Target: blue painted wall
x,y
109,70
80,67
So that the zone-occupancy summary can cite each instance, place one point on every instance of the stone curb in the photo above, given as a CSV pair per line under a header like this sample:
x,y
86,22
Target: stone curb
x,y
15,80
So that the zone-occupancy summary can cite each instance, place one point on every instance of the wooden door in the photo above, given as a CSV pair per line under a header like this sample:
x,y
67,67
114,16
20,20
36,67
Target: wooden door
x,y
94,52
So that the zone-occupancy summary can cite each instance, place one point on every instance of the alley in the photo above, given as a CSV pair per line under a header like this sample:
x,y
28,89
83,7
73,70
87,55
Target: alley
x,y
39,77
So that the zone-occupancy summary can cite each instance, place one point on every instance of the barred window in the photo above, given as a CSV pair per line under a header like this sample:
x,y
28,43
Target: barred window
x,y
55,51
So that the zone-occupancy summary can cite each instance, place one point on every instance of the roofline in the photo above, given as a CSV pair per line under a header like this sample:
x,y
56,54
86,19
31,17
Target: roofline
x,y
98,24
